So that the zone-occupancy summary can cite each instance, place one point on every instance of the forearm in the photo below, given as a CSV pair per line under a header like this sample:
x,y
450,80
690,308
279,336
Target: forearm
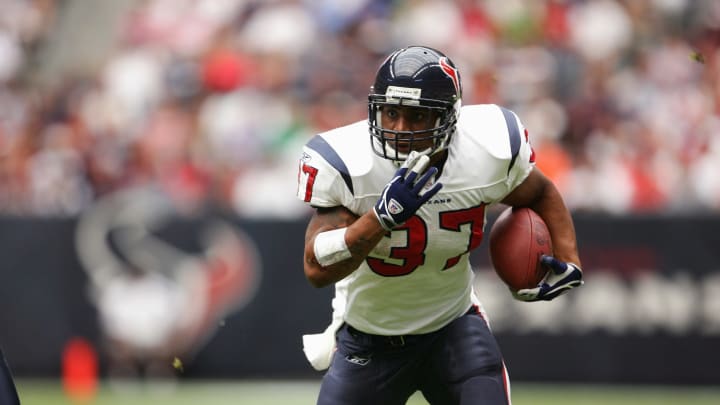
x,y
553,211
334,256
361,236
538,193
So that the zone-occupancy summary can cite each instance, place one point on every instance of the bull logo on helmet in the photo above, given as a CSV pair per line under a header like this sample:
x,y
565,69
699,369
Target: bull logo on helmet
x,y
451,72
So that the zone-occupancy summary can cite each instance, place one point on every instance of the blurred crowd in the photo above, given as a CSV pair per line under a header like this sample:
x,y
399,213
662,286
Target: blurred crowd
x,y
211,100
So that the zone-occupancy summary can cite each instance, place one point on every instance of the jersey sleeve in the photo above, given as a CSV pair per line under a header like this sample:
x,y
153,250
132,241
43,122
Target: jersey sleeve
x,y
322,179
522,158
507,154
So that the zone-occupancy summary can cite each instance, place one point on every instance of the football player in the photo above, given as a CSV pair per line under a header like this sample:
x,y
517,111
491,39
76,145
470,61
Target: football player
x,y
400,201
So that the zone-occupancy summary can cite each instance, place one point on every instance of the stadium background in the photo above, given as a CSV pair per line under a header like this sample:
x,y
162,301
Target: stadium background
x,y
163,136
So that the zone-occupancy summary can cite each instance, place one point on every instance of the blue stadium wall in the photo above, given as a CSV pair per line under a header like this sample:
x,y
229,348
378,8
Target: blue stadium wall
x,y
649,312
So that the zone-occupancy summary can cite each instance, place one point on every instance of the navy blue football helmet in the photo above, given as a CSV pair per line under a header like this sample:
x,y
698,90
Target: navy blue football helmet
x,y
420,77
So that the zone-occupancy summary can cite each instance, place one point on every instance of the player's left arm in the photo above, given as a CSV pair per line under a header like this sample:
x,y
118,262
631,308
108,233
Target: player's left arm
x,y
538,193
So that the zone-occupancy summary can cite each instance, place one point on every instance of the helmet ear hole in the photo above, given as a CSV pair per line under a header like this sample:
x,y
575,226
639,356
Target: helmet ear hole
x,y
421,77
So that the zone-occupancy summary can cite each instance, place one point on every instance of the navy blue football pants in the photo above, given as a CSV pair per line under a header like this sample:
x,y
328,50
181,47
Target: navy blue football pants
x,y
459,364
8,393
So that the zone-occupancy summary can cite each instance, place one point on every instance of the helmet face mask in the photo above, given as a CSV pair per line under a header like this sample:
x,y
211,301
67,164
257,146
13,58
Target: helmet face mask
x,y
418,78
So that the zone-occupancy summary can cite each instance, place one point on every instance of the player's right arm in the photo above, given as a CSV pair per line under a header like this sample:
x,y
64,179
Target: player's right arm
x,y
337,241
362,234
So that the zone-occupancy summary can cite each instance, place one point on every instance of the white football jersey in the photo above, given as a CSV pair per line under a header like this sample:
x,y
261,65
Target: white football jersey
x,y
418,278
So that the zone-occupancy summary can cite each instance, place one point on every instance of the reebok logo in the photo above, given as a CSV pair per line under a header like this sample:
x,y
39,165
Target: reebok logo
x,y
360,361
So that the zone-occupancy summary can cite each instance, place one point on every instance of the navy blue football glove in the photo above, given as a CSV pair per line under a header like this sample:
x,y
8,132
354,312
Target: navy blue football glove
x,y
560,278
402,196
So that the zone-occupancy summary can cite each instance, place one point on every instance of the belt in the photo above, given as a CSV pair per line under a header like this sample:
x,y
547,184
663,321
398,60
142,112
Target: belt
x,y
398,340
381,340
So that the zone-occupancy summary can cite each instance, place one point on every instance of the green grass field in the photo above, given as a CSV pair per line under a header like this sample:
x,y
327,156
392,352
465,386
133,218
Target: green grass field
x,y
44,392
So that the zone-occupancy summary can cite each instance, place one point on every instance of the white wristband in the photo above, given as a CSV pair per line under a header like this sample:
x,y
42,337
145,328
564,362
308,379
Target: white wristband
x,y
330,247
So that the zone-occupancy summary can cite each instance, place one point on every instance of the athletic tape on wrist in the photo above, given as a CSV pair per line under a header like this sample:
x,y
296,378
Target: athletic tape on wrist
x,y
330,247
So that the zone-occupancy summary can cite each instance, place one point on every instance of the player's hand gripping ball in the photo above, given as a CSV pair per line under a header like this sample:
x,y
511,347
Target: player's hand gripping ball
x,y
518,239
561,278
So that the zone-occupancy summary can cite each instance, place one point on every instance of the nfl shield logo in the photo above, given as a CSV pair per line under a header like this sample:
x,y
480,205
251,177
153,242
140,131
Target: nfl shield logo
x,y
394,207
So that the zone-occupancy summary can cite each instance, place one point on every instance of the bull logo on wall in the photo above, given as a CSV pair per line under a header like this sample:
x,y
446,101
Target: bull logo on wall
x,y
163,279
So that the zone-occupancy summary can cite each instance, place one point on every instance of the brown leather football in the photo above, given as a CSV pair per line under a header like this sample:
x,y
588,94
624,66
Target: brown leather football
x,y
518,238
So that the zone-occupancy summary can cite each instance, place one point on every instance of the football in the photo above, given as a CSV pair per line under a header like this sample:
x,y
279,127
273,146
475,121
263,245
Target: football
x,y
518,238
